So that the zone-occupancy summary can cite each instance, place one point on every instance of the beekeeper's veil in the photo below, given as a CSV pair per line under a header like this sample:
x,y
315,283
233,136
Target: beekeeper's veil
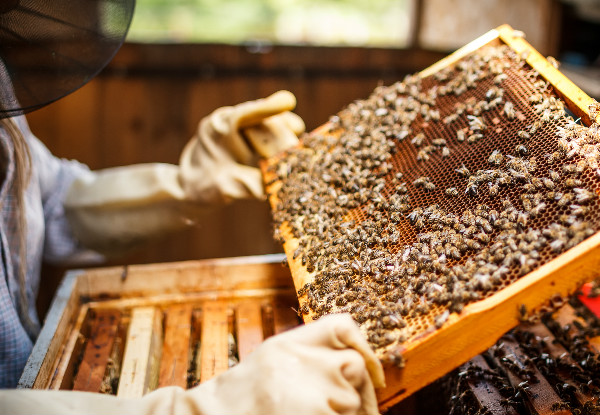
x,y
50,48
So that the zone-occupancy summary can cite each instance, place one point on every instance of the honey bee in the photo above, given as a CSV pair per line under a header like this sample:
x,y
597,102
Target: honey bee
x,y
537,209
401,189
555,176
496,158
558,245
567,219
546,115
529,188
578,211
524,135
493,189
583,196
429,186
438,142
460,136
433,115
473,138
420,181
570,169
535,98
476,123
441,319
571,182
509,110
450,118
553,157
548,183
423,155
522,219
471,189
498,79
521,150
533,128
418,140
493,93
463,171
541,85
452,191
565,199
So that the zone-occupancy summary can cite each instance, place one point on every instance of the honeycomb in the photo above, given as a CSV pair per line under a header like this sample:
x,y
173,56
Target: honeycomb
x,y
434,193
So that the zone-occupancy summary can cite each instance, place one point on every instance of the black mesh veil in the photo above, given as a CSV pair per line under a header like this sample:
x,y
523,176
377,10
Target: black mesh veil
x,y
50,48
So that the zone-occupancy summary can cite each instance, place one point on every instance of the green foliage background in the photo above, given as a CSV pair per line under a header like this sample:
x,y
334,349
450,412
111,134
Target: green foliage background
x,y
324,22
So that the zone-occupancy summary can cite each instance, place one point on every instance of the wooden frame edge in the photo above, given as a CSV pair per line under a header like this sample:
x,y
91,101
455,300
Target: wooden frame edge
x,y
38,359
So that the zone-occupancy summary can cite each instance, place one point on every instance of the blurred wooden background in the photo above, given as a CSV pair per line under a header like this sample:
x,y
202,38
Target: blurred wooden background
x,y
146,105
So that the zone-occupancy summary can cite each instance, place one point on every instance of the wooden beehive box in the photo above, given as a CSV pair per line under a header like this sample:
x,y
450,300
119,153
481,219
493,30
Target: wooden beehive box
x,y
128,330
442,338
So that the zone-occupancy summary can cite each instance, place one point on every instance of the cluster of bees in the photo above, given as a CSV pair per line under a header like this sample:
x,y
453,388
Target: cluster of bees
x,y
435,192
574,374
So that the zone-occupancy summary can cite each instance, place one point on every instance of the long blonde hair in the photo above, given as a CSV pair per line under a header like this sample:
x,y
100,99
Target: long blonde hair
x,y
22,176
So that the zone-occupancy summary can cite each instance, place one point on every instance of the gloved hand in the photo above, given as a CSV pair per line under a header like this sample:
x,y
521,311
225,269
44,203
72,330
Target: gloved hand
x,y
325,367
219,163
113,209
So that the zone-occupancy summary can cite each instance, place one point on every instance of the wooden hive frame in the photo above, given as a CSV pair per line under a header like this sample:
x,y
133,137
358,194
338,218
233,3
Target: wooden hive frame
x,y
480,324
143,324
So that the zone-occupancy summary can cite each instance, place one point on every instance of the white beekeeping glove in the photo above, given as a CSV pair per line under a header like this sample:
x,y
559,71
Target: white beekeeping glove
x,y
219,163
113,209
325,367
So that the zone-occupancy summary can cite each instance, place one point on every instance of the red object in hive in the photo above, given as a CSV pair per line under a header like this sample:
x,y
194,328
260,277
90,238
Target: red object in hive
x,y
592,303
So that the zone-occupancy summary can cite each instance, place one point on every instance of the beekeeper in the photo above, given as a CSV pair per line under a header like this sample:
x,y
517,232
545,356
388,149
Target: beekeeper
x,y
58,210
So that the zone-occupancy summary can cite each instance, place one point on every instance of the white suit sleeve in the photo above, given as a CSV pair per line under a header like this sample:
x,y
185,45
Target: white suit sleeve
x,y
113,209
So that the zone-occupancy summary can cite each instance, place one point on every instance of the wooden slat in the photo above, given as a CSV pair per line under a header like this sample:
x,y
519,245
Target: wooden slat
x,y
539,394
139,372
285,318
566,316
213,340
203,276
99,346
249,327
175,354
65,368
557,351
268,323
172,299
486,393
115,360
63,311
